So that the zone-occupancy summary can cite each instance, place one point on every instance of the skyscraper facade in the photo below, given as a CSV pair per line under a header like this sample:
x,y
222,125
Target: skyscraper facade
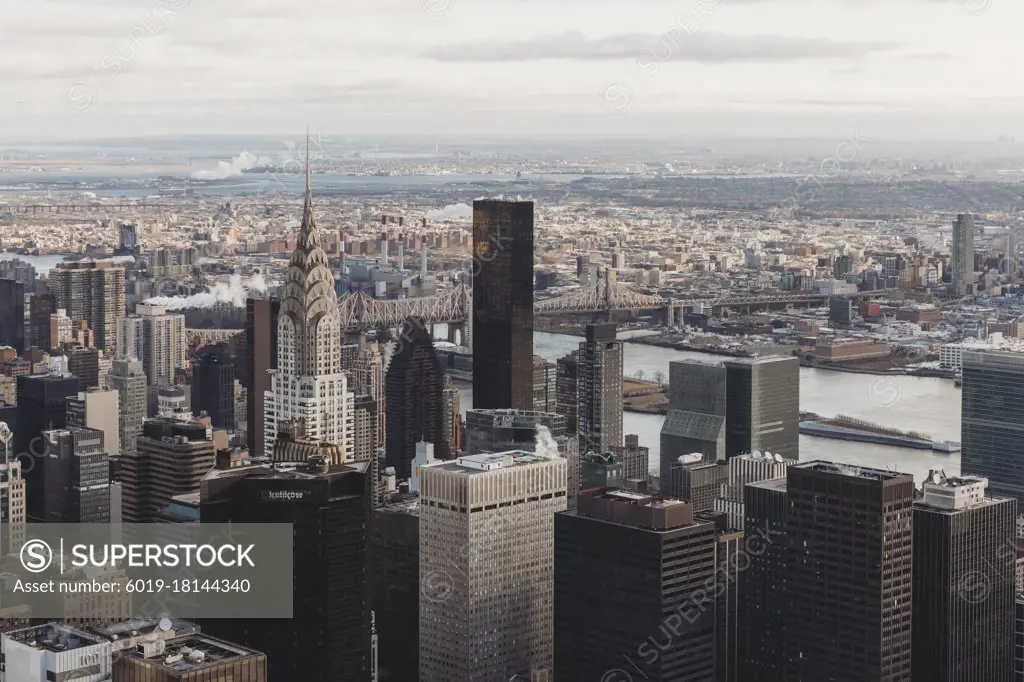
x,y
328,637
260,356
850,535
41,306
502,304
415,409
77,477
98,409
567,390
12,314
91,291
695,422
12,494
992,417
42,406
762,406
600,389
309,382
213,387
545,396
370,380
964,552
487,566
452,415
129,380
963,255
608,607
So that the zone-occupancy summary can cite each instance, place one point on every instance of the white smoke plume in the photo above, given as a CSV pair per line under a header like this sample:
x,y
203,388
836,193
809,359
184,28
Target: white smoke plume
x,y
238,165
234,292
544,443
451,212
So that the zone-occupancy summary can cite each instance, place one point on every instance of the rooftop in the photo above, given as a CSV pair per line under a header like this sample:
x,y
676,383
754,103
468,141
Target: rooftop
x,y
850,470
190,653
53,637
491,461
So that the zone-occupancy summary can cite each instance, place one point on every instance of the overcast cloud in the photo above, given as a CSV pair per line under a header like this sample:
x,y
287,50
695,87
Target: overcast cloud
x,y
895,68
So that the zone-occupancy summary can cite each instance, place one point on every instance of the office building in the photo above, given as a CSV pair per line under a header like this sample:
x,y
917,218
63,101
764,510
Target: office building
x,y
744,470
963,255
41,307
545,397
77,477
328,637
737,407
395,588
600,389
98,409
12,314
624,561
170,459
731,558
850,530
487,565
766,643
992,419
189,657
309,382
53,651
129,380
695,480
157,338
12,494
502,304
451,403
964,575
260,357
213,387
414,402
91,291
601,470
60,329
365,444
42,406
370,379
543,432
567,390
1018,639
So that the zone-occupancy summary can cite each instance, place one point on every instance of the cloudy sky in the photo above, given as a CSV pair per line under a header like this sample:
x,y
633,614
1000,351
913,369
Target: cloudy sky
x,y
888,68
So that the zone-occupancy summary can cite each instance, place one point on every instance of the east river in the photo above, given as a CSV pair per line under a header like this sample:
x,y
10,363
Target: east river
x,y
929,406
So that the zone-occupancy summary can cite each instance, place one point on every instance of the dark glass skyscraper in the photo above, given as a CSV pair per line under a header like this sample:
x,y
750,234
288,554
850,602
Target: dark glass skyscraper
x,y
502,304
964,560
763,406
41,407
12,314
213,387
77,477
328,637
600,389
992,421
626,566
415,410
261,355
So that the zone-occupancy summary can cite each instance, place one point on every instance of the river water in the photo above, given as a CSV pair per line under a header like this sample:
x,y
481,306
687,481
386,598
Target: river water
x,y
930,406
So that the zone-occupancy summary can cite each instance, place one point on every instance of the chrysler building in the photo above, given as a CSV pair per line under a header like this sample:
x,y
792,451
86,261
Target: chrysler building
x,y
309,383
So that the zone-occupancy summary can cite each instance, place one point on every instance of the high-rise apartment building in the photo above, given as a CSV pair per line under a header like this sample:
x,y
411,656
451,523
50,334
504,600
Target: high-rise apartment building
x,y
213,387
608,607
600,389
98,409
60,329
964,571
91,291
963,255
77,477
414,402
40,307
850,537
84,363
992,408
171,458
487,566
157,338
42,406
370,379
567,390
451,405
260,357
545,396
328,637
129,380
502,304
12,494
364,440
12,314
309,382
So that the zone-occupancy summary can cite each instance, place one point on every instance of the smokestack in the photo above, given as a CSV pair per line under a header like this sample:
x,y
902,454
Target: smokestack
x,y
384,247
423,254
341,250
401,249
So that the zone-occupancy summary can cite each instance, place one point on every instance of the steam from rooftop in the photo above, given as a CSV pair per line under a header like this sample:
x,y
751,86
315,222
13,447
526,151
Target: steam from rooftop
x,y
451,212
544,442
234,291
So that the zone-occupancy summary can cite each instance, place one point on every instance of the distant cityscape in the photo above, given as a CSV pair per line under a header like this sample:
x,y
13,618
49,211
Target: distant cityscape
x,y
677,413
